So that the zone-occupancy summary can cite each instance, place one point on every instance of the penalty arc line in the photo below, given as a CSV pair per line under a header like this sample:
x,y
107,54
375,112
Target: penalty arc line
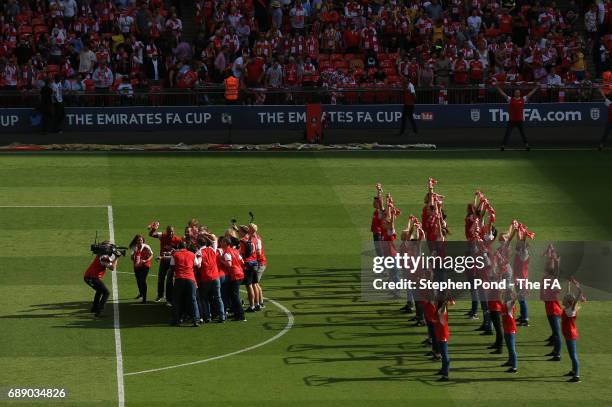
x,y
288,326
116,324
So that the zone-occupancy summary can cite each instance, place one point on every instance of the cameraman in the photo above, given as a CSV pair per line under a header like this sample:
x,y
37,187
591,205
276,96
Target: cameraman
x,y
93,278
168,242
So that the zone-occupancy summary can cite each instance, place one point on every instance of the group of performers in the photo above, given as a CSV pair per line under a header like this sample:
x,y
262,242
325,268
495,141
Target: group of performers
x,y
498,306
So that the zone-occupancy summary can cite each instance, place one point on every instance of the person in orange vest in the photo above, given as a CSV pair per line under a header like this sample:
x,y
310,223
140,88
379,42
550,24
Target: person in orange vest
x,y
232,85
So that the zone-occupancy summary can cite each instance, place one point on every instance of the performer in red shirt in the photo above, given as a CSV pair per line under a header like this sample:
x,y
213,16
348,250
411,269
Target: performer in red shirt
x,y
182,263
249,256
261,265
442,333
209,284
168,241
509,323
516,117
233,265
550,296
408,111
568,327
141,255
93,278
377,220
520,268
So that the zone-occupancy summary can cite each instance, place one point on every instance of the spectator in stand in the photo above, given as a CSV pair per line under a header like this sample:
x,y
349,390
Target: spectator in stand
x,y
474,23
58,103
46,106
298,16
155,69
254,72
276,13
126,90
221,62
87,59
442,70
552,79
275,75
103,77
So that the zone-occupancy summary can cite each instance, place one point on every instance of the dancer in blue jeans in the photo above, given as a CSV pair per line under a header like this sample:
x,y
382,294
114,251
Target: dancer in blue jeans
x,y
442,333
568,327
509,323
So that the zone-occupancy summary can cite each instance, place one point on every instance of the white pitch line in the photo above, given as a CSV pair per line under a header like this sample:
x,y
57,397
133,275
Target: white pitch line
x,y
53,206
116,325
288,326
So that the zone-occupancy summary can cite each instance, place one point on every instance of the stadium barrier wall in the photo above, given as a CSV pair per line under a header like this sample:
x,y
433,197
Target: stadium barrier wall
x,y
281,117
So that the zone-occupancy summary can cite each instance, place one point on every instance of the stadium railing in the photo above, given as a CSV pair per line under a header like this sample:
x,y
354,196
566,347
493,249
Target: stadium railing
x,y
214,95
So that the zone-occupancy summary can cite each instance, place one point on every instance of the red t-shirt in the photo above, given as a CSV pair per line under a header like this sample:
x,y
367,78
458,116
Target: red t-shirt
x,y
441,330
461,74
568,326
609,112
166,243
376,226
429,309
515,108
235,270
495,306
553,308
209,269
183,264
243,246
505,24
261,254
476,70
521,267
508,320
141,254
254,70
96,269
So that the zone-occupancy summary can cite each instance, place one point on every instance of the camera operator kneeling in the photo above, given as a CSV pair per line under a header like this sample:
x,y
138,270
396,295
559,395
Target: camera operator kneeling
x,y
93,278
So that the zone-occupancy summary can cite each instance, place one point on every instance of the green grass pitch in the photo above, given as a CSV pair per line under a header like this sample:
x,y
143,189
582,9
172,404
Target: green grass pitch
x,y
313,210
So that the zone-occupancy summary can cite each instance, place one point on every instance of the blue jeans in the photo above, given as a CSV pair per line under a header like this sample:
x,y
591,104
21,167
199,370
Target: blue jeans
x,y
210,294
234,293
432,335
496,320
185,295
511,344
571,349
474,296
555,326
419,309
225,292
445,359
523,306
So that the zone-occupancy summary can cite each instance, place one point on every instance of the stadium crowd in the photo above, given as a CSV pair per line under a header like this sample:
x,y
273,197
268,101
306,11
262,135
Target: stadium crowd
x,y
125,45
199,274
501,263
